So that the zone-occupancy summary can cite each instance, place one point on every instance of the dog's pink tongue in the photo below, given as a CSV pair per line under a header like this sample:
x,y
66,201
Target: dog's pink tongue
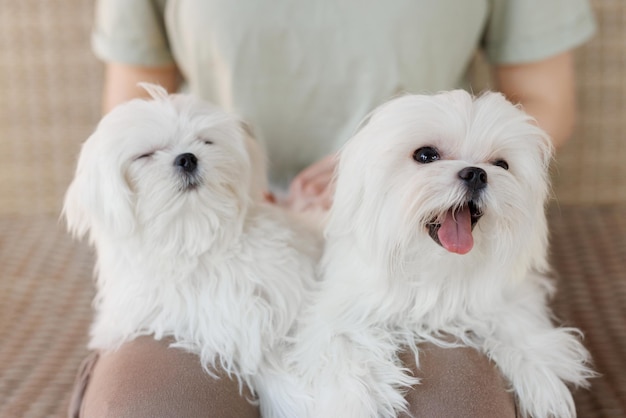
x,y
455,232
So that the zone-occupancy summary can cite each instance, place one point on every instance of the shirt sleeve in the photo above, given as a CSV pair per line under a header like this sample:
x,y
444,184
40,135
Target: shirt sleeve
x,y
131,32
520,31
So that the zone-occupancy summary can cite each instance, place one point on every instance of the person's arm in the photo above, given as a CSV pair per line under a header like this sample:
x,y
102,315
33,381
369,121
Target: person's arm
x,y
120,82
546,90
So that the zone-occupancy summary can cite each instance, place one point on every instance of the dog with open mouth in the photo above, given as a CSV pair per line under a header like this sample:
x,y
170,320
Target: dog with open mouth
x,y
437,234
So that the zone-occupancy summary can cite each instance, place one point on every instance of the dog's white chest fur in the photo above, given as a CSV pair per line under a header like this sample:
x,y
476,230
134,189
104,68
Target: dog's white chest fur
x,y
210,302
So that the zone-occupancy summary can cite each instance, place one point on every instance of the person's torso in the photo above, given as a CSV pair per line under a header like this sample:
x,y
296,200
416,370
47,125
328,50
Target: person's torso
x,y
305,73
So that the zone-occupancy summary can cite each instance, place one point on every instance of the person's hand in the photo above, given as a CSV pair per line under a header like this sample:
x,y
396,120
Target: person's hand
x,y
313,187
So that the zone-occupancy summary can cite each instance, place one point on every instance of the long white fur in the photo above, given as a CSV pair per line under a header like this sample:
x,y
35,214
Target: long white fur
x,y
386,284
214,267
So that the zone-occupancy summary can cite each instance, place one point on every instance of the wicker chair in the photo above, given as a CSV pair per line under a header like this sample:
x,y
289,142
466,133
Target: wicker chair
x,y
49,103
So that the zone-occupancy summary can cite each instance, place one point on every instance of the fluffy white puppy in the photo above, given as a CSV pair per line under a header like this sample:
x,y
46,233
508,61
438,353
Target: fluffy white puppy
x,y
170,193
437,231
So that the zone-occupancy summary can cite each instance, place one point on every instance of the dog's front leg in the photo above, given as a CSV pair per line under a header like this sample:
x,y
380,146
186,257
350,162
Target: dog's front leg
x,y
354,374
539,360
362,381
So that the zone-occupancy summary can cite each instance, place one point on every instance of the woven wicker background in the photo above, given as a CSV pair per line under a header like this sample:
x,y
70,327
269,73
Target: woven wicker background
x,y
45,296
49,102
45,311
50,93
591,166
49,99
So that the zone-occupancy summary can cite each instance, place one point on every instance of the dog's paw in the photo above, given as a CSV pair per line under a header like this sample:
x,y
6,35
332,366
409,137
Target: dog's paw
x,y
541,366
541,394
352,378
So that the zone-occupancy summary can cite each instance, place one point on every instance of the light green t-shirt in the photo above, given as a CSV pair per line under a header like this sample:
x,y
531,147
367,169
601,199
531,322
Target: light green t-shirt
x,y
305,73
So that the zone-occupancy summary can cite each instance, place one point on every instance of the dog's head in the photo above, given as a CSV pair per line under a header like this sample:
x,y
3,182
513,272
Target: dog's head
x,y
173,170
431,176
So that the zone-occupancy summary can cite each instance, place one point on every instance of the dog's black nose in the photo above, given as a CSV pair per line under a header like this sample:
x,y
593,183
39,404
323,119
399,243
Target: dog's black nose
x,y
187,162
474,177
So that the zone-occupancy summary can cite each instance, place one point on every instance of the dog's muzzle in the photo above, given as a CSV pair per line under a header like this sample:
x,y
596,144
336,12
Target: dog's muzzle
x,y
187,166
475,179
186,162
453,230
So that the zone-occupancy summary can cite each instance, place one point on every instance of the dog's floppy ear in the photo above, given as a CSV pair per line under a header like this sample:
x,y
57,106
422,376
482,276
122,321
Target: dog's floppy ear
x,y
155,91
99,196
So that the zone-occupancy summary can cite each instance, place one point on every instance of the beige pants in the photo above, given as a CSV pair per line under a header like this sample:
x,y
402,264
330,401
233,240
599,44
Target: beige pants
x,y
146,378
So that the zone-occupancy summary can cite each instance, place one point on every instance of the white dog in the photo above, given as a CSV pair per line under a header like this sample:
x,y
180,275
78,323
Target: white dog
x,y
170,193
437,230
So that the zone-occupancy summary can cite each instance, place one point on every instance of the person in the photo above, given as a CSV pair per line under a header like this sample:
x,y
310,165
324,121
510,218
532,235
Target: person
x,y
303,75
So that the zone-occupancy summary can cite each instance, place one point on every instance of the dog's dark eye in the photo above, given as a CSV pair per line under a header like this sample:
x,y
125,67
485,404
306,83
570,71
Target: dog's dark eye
x,y
208,142
145,156
501,163
426,155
